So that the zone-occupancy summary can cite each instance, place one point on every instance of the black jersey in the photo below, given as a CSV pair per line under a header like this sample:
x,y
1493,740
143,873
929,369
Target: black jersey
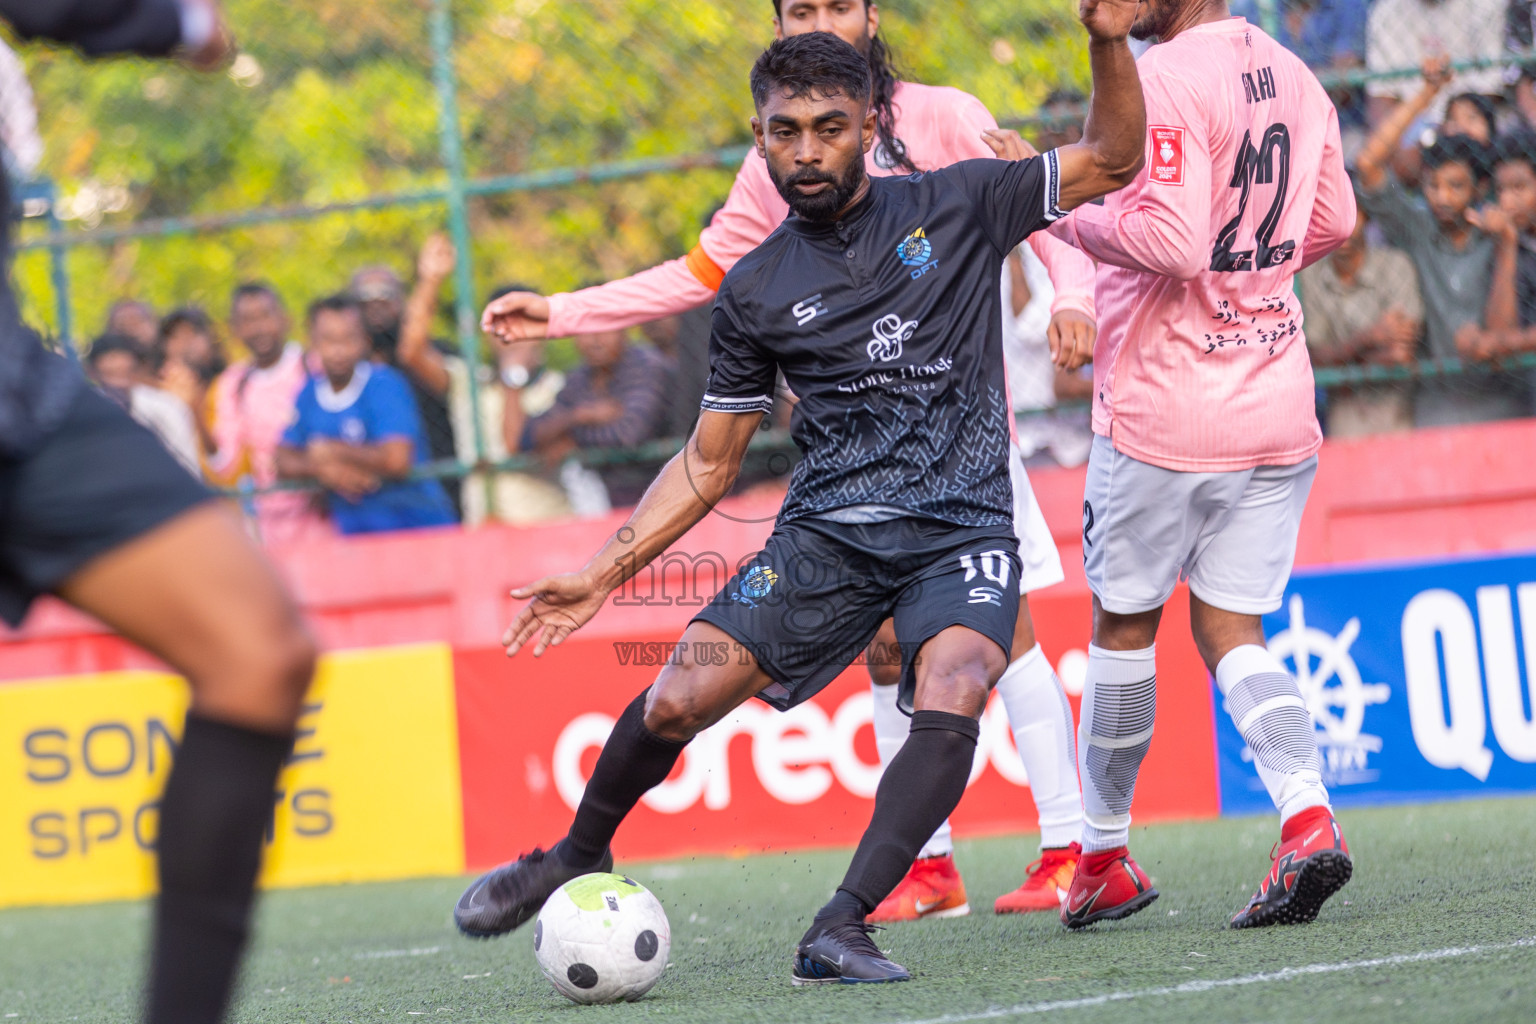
x,y
888,328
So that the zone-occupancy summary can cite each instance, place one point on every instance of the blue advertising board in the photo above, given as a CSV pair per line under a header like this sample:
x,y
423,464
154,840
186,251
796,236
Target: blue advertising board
x,y
1420,678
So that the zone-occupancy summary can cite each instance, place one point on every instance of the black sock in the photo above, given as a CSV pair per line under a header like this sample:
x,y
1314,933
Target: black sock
x,y
633,761
213,820
844,904
919,789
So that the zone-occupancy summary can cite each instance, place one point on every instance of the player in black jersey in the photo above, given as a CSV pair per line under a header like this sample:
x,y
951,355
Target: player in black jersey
x,y
902,506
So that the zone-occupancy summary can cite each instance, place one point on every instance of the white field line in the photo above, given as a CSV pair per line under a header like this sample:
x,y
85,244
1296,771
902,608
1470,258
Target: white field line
x,y
1189,987
390,954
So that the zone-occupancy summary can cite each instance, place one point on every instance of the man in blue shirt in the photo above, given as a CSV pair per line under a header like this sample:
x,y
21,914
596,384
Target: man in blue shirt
x,y
357,433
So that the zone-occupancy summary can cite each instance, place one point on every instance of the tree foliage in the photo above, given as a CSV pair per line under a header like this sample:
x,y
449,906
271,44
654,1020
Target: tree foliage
x,y
334,101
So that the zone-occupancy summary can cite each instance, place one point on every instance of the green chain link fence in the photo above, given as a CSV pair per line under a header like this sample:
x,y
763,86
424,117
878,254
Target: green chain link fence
x,y
556,142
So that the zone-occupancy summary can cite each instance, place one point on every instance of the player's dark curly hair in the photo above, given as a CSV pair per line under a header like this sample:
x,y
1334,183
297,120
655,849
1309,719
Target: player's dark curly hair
x,y
813,62
883,79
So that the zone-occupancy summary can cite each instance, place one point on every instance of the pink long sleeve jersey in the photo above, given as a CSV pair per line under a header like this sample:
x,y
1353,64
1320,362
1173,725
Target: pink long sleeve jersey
x,y
939,126
1201,364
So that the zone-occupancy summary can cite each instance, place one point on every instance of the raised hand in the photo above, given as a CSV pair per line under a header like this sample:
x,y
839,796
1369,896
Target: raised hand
x,y
1493,221
561,605
437,259
1108,21
1437,72
516,316
1008,144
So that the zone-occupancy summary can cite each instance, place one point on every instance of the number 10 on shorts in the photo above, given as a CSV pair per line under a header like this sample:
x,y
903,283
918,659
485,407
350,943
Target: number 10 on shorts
x,y
994,565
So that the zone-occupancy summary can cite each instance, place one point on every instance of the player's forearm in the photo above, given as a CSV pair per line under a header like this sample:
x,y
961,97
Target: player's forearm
x,y
1151,241
685,491
663,290
1116,128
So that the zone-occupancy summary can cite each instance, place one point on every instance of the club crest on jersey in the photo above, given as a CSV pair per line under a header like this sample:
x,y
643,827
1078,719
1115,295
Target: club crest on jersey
x,y
890,331
916,251
1167,164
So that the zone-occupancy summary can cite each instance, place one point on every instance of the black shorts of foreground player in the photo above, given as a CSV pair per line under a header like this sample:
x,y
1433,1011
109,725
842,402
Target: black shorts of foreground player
x,y
902,506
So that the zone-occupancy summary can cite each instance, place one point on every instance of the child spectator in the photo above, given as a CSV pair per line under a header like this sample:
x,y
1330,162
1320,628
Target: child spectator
x,y
356,431
188,359
1453,258
1362,306
118,364
1511,312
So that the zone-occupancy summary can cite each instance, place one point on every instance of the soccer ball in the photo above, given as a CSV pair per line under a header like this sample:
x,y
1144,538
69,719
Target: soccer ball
x,y
602,938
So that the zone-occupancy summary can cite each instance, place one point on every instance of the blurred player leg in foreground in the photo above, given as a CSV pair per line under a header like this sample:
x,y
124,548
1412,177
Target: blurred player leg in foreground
x,y
197,593
92,508
101,515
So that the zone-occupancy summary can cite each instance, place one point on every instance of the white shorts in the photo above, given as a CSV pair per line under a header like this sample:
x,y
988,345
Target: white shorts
x,y
1232,535
1037,549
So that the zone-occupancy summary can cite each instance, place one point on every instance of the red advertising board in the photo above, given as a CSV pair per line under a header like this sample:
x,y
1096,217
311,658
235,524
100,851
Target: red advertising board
x,y
530,730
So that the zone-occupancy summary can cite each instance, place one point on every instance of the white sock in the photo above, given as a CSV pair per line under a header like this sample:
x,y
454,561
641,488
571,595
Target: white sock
x,y
1042,726
891,728
1266,705
1119,707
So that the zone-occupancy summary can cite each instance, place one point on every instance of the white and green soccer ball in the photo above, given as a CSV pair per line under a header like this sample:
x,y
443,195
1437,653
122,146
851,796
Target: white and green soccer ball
x,y
602,939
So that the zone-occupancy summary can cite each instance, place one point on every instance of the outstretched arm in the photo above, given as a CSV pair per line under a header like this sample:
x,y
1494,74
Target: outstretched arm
x,y
688,487
1376,156
1111,151
676,286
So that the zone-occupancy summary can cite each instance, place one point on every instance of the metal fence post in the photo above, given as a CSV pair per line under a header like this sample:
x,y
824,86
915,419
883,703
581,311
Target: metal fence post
x,y
452,143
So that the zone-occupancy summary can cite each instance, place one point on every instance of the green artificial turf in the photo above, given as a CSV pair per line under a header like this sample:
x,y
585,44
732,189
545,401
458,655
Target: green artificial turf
x,y
1452,885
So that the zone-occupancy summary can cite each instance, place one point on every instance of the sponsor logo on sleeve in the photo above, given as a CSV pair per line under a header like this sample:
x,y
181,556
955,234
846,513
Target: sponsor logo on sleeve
x,y
1167,164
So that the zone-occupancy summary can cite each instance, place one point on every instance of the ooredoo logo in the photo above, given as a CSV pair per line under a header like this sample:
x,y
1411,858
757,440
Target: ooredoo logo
x,y
1167,164
797,755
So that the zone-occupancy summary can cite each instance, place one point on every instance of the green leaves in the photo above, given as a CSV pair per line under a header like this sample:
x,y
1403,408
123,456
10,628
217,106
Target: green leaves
x,y
334,100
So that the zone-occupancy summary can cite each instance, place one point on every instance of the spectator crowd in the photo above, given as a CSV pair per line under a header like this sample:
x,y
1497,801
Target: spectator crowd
x,y
1437,108
350,414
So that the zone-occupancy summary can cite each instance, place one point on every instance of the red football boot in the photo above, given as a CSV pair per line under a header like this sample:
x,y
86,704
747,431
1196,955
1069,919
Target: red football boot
x,y
1106,887
932,888
1045,882
1311,864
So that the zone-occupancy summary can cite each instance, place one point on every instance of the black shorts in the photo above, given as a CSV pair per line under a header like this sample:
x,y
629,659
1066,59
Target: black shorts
x,y
810,602
95,483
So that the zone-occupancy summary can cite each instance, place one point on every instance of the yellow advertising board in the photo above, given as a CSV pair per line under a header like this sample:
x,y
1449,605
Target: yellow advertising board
x,y
371,790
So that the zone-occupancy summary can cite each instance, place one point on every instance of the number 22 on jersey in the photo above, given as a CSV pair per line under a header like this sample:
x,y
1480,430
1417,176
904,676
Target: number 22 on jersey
x,y
1268,163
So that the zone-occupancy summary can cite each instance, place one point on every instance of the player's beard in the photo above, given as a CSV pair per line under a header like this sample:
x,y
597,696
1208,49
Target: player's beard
x,y
824,206
1150,24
